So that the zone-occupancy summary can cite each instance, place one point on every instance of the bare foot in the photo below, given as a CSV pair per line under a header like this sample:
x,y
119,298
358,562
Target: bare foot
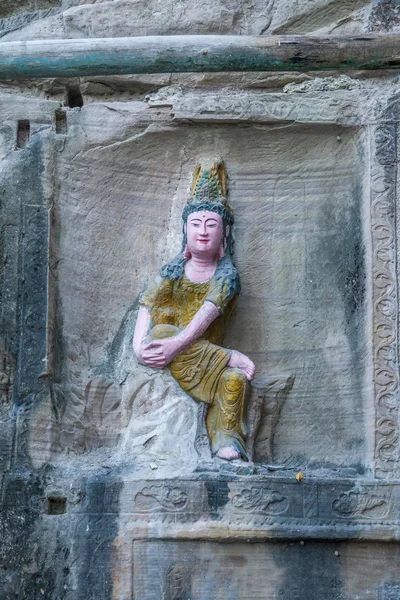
x,y
229,453
243,363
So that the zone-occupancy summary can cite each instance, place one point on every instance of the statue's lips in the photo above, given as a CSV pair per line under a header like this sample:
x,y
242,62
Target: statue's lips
x,y
203,241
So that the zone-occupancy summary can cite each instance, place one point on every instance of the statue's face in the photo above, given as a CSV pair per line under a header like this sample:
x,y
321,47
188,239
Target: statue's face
x,y
204,232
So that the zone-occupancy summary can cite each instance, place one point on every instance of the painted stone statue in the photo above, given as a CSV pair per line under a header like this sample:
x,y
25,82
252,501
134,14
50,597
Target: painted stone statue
x,y
184,313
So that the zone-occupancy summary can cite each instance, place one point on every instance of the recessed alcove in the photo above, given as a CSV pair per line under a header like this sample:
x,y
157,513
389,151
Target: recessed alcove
x,y
23,133
61,124
298,193
56,505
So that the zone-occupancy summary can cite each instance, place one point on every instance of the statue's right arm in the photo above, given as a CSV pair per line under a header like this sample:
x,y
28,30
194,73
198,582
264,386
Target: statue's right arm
x,y
159,353
142,328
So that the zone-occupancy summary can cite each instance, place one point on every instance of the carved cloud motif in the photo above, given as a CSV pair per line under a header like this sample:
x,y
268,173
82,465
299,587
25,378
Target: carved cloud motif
x,y
370,506
159,497
259,500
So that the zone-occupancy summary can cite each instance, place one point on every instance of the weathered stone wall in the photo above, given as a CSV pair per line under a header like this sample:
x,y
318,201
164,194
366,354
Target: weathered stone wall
x,y
100,495
30,19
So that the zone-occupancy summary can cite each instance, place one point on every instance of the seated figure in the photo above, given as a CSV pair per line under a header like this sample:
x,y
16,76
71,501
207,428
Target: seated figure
x,y
183,315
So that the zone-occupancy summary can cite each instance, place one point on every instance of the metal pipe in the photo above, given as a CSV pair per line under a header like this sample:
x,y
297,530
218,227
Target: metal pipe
x,y
197,54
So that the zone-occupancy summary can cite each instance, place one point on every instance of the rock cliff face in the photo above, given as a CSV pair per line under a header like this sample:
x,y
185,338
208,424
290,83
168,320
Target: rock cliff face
x,y
37,19
103,497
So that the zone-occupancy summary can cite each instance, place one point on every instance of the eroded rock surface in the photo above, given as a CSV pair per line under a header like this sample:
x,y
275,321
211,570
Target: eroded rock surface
x,y
77,18
101,494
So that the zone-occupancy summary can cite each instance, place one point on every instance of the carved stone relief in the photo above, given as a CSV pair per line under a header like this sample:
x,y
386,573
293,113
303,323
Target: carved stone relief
x,y
385,303
112,417
351,504
383,267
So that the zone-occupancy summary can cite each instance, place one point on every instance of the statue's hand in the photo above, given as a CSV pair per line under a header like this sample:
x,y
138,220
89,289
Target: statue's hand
x,y
139,355
159,353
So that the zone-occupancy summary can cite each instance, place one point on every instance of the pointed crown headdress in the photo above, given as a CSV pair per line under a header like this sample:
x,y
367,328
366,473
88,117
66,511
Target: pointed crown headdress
x,y
209,191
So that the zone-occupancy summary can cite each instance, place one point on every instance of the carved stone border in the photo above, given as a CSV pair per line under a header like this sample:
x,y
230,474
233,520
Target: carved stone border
x,y
271,508
384,296
26,274
33,304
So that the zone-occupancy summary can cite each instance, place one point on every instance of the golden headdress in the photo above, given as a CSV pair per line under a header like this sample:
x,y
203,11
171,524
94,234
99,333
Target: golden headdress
x,y
209,191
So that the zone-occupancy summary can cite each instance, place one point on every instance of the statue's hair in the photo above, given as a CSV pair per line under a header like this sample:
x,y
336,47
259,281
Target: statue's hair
x,y
225,270
220,209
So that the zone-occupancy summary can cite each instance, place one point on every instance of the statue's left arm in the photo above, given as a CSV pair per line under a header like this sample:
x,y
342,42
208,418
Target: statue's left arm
x,y
159,353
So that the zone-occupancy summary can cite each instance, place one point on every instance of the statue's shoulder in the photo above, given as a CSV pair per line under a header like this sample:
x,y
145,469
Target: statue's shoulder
x,y
225,286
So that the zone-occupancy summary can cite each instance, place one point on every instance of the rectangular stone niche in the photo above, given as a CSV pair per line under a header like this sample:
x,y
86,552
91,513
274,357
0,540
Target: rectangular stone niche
x,y
315,209
300,200
178,570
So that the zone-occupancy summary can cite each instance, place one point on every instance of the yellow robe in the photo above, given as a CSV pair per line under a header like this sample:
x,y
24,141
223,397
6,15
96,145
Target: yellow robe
x,y
202,370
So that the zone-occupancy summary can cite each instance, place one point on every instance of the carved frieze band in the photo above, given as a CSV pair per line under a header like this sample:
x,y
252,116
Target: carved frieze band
x,y
385,302
273,508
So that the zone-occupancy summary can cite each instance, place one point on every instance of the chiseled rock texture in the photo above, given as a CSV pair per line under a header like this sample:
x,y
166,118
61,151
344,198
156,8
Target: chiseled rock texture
x,y
38,19
102,494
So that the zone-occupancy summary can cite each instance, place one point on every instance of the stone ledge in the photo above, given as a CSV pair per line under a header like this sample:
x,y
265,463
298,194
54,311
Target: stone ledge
x,y
268,508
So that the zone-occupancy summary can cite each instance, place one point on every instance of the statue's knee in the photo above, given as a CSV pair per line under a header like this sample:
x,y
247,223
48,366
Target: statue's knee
x,y
158,332
234,381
